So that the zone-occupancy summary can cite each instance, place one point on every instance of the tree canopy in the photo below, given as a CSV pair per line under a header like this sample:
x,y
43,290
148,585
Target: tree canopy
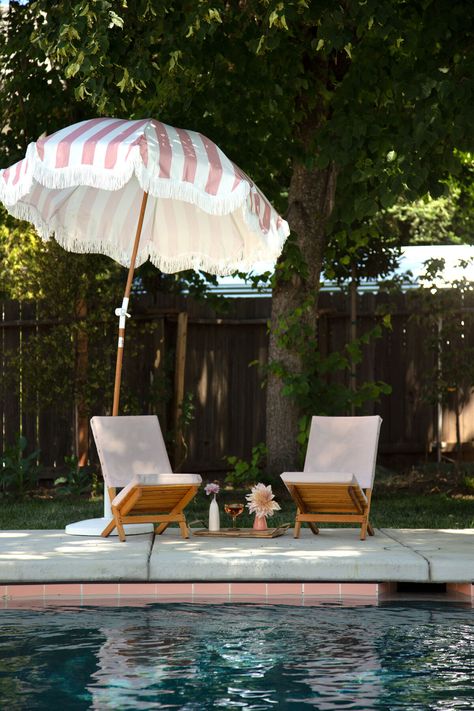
x,y
336,110
390,82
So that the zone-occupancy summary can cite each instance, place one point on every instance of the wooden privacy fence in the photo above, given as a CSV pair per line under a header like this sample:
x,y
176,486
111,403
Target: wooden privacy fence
x,y
180,349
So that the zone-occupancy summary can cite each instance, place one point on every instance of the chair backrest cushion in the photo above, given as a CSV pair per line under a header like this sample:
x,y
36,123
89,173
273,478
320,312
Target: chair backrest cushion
x,y
128,446
344,444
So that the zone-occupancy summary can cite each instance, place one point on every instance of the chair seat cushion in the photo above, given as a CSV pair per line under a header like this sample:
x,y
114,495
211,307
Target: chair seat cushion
x,y
157,480
321,478
162,479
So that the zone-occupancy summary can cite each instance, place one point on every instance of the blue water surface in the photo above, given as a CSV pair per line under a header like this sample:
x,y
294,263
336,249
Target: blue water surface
x,y
238,657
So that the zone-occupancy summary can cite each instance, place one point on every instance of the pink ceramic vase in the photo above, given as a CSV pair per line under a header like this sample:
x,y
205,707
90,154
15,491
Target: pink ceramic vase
x,y
260,523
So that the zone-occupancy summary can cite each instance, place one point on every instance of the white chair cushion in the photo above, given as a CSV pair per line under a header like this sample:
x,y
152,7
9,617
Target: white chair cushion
x,y
344,444
161,479
129,445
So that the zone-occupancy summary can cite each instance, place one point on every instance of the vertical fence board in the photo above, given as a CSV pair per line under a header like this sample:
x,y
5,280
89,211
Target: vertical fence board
x,y
29,419
157,370
11,343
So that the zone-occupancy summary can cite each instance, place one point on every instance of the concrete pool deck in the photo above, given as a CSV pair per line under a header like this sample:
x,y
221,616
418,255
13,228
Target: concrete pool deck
x,y
336,562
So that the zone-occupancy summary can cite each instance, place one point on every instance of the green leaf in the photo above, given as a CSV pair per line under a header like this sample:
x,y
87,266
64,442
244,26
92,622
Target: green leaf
x,y
115,20
72,69
273,18
125,80
84,11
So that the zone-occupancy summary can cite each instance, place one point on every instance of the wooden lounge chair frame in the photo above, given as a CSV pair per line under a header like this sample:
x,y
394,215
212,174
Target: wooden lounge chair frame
x,y
126,446
331,503
333,493
163,504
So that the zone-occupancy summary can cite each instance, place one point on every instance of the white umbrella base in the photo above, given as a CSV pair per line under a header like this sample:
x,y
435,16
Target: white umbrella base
x,y
95,526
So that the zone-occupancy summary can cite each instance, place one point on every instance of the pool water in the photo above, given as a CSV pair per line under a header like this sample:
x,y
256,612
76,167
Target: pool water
x,y
238,656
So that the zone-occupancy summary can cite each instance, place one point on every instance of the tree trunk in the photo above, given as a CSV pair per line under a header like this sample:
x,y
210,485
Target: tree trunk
x,y
311,199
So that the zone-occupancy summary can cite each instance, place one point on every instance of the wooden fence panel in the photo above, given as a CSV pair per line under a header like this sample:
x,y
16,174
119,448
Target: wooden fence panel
x,y
229,417
228,398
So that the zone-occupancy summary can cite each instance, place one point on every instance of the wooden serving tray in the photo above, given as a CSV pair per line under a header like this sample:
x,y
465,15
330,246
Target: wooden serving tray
x,y
243,532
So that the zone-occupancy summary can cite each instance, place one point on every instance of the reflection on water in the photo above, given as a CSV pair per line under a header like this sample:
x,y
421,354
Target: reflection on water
x,y
239,657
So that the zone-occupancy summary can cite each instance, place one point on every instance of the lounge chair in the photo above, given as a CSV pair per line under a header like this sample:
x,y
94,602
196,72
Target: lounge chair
x,y
337,482
133,457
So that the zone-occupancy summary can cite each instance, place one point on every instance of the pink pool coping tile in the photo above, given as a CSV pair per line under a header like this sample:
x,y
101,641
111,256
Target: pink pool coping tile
x,y
63,589
131,589
27,590
170,589
330,589
464,589
239,589
287,589
221,589
98,589
359,589
116,594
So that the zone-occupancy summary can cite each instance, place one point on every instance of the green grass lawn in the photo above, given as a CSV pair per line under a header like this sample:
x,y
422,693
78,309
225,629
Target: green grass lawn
x,y
389,510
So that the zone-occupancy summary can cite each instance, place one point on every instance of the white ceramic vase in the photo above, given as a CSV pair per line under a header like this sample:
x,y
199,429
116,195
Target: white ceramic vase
x,y
214,518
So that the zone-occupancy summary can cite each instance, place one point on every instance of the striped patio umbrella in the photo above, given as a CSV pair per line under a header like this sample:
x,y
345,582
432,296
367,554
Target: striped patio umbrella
x,y
138,190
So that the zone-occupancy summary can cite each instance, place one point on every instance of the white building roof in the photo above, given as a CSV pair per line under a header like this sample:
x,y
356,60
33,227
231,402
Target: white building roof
x,y
413,259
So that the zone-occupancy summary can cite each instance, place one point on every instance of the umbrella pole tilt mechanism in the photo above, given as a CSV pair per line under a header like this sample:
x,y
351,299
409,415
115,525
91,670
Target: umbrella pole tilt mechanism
x,y
121,312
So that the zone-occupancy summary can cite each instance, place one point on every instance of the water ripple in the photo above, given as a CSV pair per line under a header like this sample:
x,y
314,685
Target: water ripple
x,y
242,657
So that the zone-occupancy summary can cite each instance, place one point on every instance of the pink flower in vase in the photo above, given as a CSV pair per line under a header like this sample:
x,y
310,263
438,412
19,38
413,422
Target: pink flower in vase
x,y
261,503
212,488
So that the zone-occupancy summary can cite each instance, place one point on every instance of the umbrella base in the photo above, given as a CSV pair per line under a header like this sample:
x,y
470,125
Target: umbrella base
x,y
95,526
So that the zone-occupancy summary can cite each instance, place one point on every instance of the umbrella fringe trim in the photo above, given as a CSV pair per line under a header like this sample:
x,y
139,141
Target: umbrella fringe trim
x,y
187,192
201,262
11,194
76,243
70,241
61,178
67,177
277,233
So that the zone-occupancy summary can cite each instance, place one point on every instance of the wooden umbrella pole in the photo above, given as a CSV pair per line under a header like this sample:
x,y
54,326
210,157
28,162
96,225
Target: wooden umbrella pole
x,y
122,311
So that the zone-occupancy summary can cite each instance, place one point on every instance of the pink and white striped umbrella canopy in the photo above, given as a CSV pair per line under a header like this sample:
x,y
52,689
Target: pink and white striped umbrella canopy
x,y
84,185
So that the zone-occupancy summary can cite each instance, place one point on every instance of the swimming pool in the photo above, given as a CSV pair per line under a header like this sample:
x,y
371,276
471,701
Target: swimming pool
x,y
238,656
